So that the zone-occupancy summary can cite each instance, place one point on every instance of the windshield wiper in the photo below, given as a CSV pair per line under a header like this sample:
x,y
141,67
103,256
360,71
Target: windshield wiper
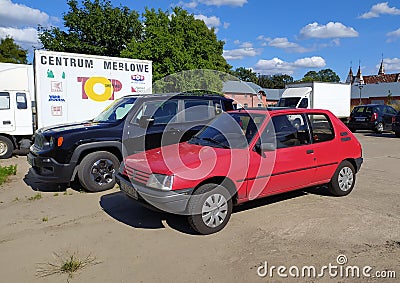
x,y
217,142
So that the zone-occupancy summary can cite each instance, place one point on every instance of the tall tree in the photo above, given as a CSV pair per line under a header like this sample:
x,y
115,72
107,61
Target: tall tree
x,y
325,75
176,42
95,27
275,81
244,74
10,52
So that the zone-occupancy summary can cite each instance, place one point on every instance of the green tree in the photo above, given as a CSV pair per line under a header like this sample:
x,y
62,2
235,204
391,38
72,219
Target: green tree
x,y
325,75
176,42
95,27
275,81
10,52
244,74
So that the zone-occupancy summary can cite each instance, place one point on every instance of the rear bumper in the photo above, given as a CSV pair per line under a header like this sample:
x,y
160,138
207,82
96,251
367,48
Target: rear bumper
x,y
362,125
396,127
48,170
169,201
359,162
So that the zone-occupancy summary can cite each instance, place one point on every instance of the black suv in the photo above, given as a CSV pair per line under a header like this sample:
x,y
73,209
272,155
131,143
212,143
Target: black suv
x,y
92,150
372,117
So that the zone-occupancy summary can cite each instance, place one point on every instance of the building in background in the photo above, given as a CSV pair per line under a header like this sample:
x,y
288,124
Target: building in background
x,y
380,89
250,95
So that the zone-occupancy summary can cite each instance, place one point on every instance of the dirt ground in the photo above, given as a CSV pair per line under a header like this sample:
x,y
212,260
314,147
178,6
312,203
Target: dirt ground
x,y
125,242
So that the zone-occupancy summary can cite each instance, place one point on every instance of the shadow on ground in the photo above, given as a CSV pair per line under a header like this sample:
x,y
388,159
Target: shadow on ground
x,y
124,209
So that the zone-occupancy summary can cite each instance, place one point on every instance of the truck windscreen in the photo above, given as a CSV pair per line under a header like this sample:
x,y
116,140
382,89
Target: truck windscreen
x,y
290,102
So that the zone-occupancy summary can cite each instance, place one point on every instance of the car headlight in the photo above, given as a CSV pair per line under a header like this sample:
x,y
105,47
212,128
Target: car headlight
x,y
161,182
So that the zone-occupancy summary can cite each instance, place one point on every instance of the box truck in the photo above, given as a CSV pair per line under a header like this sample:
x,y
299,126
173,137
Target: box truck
x,y
318,95
62,88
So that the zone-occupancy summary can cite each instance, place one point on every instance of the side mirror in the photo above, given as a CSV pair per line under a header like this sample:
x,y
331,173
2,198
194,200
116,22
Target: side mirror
x,y
145,121
268,146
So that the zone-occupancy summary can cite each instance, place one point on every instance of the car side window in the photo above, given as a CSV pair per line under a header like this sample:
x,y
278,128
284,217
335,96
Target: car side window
x,y
162,112
197,110
321,128
389,110
286,131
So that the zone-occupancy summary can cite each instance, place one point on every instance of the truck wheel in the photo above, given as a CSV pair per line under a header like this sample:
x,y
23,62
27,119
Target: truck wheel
x,y
97,171
379,128
210,208
6,147
342,182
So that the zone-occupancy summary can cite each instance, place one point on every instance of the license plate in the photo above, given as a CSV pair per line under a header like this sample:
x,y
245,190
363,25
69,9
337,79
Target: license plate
x,y
360,119
129,190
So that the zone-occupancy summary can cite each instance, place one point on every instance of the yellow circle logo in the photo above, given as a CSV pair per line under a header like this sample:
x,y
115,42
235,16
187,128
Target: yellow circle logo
x,y
89,88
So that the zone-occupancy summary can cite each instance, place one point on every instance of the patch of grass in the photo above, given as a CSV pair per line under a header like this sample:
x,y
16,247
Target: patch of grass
x,y
6,171
45,219
55,194
66,264
16,199
36,197
65,193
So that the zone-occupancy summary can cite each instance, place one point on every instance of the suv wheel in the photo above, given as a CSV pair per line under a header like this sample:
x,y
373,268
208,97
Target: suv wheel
x,y
397,134
379,128
6,147
210,208
342,182
97,171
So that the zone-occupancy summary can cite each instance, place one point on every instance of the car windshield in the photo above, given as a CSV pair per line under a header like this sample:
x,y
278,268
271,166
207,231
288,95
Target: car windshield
x,y
290,102
229,130
116,111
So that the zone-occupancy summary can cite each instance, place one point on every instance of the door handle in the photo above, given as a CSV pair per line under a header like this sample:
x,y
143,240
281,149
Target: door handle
x,y
310,151
6,122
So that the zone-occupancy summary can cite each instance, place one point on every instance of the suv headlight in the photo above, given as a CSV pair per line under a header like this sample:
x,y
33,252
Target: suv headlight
x,y
161,182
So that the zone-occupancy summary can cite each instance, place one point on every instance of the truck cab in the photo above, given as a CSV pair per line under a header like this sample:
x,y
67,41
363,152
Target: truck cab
x,y
16,119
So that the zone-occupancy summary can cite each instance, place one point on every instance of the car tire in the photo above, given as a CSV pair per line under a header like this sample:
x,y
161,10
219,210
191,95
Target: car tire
x,y
379,128
397,134
344,179
97,170
6,147
210,208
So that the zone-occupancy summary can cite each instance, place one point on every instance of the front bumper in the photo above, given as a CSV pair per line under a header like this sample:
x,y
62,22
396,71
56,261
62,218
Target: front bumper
x,y
46,169
169,201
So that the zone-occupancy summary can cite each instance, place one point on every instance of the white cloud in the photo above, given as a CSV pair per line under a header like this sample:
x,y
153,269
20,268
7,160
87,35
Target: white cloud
x,y
238,3
278,66
391,65
380,9
226,25
282,43
189,5
212,21
330,30
240,53
18,15
393,35
26,37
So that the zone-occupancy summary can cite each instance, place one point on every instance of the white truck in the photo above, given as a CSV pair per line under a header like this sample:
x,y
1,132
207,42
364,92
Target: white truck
x,y
62,88
318,95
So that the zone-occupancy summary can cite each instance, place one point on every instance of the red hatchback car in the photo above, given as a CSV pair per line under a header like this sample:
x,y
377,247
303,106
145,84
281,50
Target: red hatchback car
x,y
241,156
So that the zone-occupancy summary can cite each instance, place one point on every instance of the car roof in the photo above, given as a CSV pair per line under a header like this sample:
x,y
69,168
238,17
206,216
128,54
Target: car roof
x,y
180,95
277,111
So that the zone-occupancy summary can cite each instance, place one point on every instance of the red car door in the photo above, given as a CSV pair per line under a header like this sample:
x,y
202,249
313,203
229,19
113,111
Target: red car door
x,y
290,166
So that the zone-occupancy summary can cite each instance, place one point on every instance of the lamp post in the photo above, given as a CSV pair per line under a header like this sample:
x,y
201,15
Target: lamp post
x,y
360,86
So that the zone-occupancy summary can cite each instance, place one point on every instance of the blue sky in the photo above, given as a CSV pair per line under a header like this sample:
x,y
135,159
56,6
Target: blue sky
x,y
291,37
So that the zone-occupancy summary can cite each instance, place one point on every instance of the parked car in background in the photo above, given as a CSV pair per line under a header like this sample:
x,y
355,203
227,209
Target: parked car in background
x,y
243,155
374,117
92,150
396,124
